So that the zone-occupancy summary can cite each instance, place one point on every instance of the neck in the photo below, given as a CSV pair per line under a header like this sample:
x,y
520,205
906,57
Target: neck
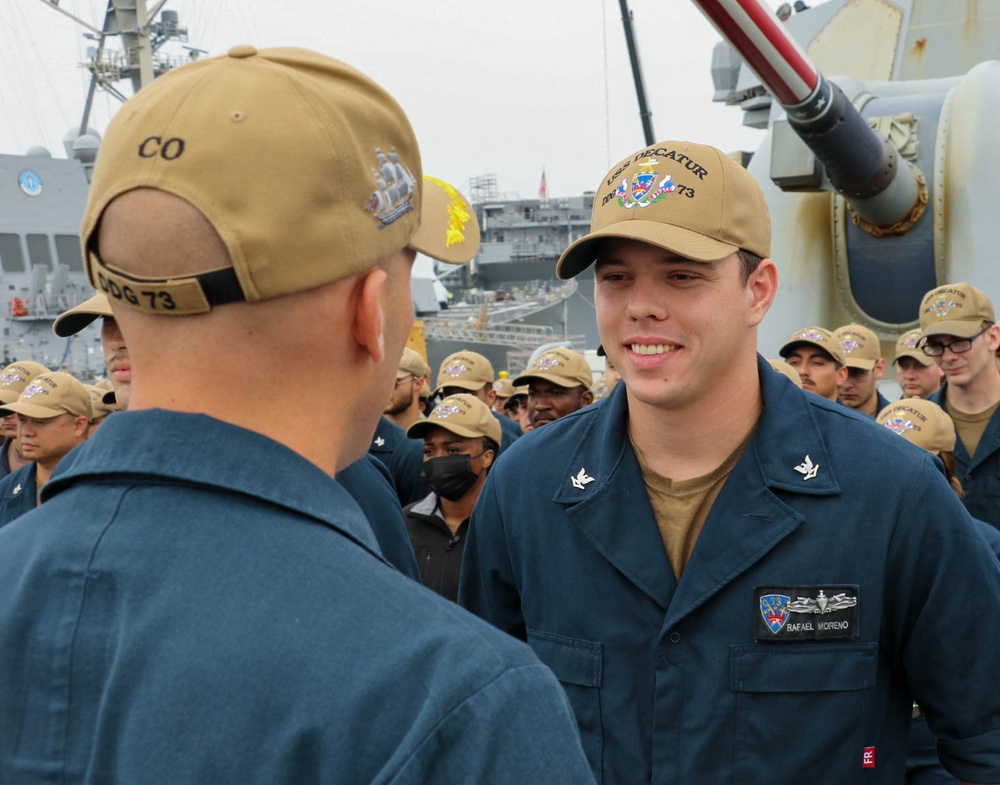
x,y
454,513
43,471
687,443
407,417
977,396
14,457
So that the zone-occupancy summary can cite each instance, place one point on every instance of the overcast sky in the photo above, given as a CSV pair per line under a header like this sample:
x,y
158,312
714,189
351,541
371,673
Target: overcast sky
x,y
502,88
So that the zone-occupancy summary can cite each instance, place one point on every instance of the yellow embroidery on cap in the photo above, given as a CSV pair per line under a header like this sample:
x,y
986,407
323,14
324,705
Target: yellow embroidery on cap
x,y
458,216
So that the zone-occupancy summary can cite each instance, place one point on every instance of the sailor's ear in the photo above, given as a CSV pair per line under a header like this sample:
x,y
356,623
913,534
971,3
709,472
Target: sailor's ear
x,y
368,326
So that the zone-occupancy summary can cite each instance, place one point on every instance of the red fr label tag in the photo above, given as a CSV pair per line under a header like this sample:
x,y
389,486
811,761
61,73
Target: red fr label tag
x,y
868,761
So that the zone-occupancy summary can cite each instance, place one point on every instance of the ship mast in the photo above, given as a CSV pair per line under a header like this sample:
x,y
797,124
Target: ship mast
x,y
139,61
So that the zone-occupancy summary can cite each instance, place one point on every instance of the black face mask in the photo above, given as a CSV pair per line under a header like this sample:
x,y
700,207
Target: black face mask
x,y
449,476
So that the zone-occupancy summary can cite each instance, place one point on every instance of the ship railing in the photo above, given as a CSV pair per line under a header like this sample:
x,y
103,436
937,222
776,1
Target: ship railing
x,y
43,307
524,336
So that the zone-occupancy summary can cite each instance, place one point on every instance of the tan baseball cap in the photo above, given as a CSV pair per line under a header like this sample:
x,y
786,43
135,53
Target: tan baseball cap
x,y
786,370
80,316
97,404
466,370
561,366
920,422
15,377
687,198
425,389
307,169
49,395
503,387
906,346
955,309
412,364
817,336
860,345
463,415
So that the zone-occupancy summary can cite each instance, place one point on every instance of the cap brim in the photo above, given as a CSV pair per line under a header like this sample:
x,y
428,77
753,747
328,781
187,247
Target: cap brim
x,y
784,350
419,428
860,362
917,355
462,384
683,242
81,316
562,381
448,231
960,329
31,410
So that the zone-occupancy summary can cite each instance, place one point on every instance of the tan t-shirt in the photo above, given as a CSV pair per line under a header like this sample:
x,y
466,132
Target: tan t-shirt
x,y
970,427
681,507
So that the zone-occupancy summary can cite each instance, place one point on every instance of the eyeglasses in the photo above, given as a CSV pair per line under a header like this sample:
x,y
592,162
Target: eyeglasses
x,y
959,346
404,379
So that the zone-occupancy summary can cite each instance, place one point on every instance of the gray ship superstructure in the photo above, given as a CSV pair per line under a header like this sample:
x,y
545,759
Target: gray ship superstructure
x,y
508,301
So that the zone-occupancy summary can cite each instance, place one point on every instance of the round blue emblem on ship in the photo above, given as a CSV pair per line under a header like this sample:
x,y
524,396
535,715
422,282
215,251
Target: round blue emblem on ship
x,y
30,182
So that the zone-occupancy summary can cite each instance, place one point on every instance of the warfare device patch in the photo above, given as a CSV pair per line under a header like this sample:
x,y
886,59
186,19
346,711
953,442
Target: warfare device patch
x,y
796,613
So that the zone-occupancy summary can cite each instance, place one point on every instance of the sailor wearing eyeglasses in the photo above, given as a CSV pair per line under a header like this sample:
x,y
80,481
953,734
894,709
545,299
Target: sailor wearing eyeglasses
x,y
958,330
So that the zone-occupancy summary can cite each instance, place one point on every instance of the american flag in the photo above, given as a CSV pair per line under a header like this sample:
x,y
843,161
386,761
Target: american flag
x,y
543,187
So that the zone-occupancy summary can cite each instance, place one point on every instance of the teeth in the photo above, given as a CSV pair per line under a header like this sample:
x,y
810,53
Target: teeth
x,y
659,348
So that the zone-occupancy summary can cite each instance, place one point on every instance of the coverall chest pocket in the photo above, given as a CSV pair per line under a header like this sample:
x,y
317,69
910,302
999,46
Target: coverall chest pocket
x,y
800,707
579,666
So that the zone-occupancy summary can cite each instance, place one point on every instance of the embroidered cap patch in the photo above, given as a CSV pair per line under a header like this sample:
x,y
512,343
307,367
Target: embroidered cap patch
x,y
795,613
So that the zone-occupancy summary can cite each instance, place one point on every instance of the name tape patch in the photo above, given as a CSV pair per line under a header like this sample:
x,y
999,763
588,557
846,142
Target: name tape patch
x,y
796,613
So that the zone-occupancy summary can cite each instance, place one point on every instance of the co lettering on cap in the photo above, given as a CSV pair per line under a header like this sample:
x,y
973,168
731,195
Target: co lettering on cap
x,y
169,150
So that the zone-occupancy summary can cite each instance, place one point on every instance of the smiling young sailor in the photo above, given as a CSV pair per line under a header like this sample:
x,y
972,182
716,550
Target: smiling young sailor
x,y
711,561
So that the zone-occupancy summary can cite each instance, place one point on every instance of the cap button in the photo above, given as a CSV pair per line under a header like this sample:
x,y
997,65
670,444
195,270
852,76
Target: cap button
x,y
243,50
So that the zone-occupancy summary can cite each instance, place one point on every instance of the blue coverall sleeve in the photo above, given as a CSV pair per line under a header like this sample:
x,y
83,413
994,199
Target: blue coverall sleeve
x,y
518,729
944,622
488,587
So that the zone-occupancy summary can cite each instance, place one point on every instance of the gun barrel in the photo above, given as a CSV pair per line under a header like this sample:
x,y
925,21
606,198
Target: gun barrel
x,y
861,165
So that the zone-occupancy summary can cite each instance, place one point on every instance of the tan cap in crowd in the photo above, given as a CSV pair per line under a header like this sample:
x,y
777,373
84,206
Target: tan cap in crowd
x,y
561,366
786,370
817,336
861,347
50,394
690,199
955,309
920,422
15,377
307,169
906,346
600,388
463,415
80,316
465,370
412,364
97,404
503,387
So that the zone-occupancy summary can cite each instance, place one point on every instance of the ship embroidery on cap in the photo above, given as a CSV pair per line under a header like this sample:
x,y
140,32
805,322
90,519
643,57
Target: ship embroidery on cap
x,y
641,192
457,369
850,344
32,390
545,363
395,184
910,342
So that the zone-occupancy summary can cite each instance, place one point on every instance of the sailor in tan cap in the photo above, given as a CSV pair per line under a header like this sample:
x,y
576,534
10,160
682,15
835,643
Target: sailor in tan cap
x,y
13,379
918,375
865,366
461,440
676,552
53,413
959,332
403,408
253,219
467,371
816,354
559,383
